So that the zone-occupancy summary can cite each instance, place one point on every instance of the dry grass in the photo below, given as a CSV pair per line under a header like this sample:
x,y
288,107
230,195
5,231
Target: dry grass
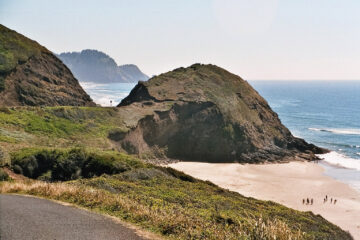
x,y
166,201
171,223
274,230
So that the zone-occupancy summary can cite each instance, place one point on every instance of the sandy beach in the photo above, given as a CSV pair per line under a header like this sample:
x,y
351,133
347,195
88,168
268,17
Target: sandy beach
x,y
288,184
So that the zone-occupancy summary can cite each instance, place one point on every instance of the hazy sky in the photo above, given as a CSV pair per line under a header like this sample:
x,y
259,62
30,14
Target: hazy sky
x,y
256,39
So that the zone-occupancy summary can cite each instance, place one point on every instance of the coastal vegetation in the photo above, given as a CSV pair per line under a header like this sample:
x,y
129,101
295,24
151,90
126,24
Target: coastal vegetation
x,y
102,158
160,199
31,75
14,49
3,175
22,127
77,145
70,164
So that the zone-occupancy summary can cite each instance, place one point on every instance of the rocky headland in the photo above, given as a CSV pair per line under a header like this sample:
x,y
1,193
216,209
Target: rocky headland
x,y
95,66
205,113
30,75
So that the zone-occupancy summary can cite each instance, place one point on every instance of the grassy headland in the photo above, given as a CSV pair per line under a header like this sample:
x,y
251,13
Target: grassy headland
x,y
73,144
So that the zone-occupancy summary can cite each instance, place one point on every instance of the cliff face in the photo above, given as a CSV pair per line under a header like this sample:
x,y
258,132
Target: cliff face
x,y
204,113
31,75
95,66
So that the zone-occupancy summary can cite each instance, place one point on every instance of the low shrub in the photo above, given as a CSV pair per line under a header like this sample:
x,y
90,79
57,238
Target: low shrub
x,y
3,175
2,83
4,109
70,164
177,174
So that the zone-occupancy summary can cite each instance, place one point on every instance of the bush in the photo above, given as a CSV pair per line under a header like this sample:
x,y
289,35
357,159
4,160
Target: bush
x,y
2,83
17,169
70,164
4,109
32,162
177,174
45,177
143,174
3,175
4,156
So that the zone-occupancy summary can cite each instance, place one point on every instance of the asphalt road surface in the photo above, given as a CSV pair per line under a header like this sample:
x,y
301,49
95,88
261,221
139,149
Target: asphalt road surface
x,y
24,217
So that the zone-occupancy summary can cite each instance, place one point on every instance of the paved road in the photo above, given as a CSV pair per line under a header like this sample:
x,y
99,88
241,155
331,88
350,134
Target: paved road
x,y
33,218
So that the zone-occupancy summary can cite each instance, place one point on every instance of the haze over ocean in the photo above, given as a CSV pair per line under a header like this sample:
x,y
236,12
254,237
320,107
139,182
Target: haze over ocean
x,y
325,113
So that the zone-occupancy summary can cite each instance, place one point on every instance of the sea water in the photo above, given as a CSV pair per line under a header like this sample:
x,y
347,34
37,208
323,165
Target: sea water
x,y
109,94
326,113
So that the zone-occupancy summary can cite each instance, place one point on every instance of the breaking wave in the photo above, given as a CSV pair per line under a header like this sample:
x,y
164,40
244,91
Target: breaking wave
x,y
344,131
340,160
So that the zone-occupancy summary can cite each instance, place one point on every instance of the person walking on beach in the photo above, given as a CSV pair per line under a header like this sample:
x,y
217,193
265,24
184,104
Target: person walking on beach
x,y
312,201
335,201
307,201
331,200
303,201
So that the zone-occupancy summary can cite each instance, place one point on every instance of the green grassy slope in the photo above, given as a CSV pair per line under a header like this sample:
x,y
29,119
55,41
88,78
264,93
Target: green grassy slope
x,y
58,127
40,141
162,199
15,49
91,127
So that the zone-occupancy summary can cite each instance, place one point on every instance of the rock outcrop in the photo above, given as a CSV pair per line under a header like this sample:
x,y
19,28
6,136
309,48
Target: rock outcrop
x,y
95,66
205,113
30,75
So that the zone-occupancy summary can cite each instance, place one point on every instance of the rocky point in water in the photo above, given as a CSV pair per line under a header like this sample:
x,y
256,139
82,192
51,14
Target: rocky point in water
x,y
30,75
205,113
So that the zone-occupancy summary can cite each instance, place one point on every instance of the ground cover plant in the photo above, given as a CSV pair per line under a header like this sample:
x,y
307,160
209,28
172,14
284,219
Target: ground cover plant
x,y
163,200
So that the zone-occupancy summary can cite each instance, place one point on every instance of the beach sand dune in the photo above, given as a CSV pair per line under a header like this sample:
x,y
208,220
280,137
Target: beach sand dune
x,y
288,184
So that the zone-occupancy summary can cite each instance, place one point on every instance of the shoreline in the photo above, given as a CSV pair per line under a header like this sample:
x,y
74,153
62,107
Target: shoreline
x,y
287,184
342,174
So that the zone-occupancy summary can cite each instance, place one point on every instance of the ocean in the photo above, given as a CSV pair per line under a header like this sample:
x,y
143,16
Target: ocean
x,y
326,113
102,94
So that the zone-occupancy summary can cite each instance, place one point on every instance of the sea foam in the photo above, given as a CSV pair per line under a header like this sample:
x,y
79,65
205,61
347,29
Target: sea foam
x,y
345,131
340,160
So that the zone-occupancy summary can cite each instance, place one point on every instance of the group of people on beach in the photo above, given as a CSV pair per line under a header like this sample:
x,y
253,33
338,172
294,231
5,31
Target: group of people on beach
x,y
310,201
331,200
